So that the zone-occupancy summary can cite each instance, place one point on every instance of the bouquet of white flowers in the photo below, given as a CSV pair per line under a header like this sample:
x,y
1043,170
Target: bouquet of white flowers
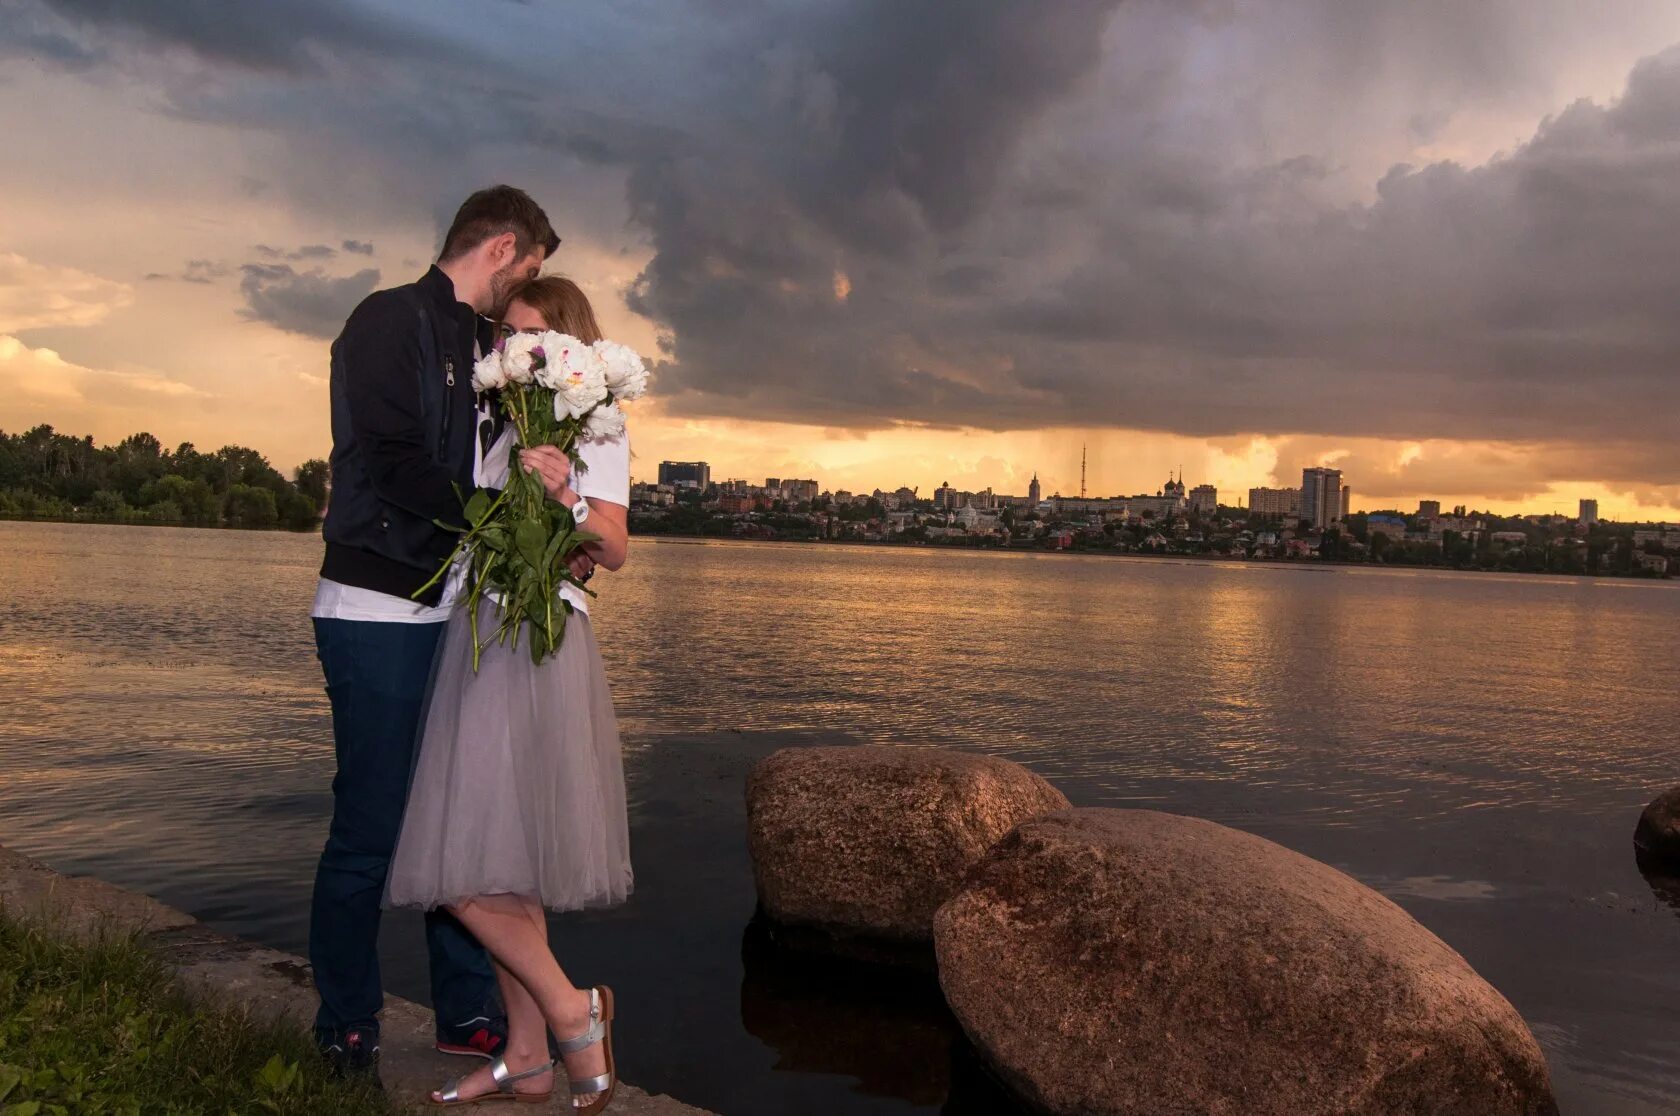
x,y
555,390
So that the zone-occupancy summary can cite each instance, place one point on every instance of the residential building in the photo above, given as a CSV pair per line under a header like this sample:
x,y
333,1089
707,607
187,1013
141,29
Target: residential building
x,y
685,474
1274,503
1035,493
1321,496
1429,509
800,491
1655,563
1589,512
1393,526
1204,499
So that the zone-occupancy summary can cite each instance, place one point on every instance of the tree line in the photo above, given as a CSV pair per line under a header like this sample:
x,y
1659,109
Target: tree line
x,y
48,475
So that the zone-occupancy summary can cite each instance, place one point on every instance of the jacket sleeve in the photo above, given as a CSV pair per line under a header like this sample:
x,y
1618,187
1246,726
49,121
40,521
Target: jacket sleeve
x,y
381,362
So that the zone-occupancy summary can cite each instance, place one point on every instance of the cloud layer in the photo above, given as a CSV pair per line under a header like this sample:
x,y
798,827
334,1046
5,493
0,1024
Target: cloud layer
x,y
1332,223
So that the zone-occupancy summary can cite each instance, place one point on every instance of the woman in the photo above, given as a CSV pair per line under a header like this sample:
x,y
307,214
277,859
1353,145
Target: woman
x,y
517,801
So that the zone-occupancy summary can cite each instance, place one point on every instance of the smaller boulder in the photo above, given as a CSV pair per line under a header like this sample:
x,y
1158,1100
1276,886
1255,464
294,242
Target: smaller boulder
x,y
1656,839
870,840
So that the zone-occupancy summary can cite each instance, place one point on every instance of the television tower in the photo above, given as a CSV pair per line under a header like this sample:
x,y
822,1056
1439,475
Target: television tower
x,y
1082,470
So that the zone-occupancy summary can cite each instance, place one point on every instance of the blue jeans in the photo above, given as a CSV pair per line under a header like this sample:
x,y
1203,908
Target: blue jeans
x,y
377,676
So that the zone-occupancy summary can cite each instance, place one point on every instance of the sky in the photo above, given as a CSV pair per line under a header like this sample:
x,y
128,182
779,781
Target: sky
x,y
881,243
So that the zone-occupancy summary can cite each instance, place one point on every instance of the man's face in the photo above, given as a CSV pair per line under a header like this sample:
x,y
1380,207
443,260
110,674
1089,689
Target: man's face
x,y
508,279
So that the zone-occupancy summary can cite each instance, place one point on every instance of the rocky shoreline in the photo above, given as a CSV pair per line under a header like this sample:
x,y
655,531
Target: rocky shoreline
x,y
233,972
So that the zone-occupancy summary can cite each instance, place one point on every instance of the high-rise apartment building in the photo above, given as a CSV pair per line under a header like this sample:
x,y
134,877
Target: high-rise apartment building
x,y
685,474
1321,496
1429,509
1274,503
1589,512
1204,499
1035,492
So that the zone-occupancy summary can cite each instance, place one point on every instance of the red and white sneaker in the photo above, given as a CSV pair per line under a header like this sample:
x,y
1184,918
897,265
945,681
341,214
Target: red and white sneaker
x,y
481,1037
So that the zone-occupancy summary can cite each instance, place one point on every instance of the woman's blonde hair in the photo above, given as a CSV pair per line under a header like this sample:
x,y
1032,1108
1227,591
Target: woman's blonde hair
x,y
563,306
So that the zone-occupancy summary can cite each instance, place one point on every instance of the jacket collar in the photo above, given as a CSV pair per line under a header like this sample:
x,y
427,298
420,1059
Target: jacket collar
x,y
441,290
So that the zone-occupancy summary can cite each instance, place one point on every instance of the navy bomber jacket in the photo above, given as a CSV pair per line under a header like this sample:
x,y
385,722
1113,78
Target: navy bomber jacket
x,y
403,424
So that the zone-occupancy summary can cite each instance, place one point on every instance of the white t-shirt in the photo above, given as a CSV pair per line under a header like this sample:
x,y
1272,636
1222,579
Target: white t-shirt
x,y
607,477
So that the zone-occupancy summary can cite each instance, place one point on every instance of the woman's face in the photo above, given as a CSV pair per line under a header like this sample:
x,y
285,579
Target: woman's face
x,y
522,317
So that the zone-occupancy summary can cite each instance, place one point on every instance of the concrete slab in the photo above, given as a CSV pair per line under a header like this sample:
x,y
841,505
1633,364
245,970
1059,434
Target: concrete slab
x,y
241,974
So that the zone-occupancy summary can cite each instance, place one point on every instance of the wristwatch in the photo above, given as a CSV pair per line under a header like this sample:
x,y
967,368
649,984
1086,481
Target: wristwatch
x,y
580,512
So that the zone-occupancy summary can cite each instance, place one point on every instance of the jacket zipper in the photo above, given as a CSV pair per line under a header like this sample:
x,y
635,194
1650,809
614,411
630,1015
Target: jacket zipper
x,y
448,403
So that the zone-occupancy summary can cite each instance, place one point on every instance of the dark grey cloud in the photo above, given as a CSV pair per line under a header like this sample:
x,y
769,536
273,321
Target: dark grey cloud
x,y
288,37
1177,216
204,271
310,302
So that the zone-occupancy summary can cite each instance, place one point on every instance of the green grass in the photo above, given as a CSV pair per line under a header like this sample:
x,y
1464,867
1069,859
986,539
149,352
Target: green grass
x,y
91,1030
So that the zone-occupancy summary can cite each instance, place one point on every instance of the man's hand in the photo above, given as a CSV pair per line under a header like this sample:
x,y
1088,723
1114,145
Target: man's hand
x,y
582,565
553,467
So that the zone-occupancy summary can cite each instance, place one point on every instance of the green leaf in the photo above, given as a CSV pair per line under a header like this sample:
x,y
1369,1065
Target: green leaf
x,y
478,507
556,546
530,539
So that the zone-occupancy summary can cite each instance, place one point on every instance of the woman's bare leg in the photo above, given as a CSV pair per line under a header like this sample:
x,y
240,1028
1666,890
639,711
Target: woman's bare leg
x,y
515,932
527,1041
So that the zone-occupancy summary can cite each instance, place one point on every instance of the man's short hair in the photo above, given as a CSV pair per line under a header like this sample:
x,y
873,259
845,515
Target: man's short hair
x,y
498,210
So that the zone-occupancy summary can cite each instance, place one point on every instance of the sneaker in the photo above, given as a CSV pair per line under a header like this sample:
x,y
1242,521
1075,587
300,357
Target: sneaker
x,y
481,1037
353,1052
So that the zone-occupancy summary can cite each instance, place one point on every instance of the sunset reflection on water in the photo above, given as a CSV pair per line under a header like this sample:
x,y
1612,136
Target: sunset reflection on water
x,y
1476,746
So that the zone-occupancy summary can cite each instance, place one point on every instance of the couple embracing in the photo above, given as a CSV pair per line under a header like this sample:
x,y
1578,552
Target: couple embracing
x,y
486,795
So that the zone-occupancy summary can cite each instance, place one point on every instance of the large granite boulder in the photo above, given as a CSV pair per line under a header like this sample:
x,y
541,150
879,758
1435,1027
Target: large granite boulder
x,y
1126,961
870,840
1656,840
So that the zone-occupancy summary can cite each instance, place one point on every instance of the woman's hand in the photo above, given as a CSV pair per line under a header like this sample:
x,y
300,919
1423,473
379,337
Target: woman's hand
x,y
554,468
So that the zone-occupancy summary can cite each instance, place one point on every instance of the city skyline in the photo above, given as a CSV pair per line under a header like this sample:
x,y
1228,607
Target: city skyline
x,y
1271,502
1174,237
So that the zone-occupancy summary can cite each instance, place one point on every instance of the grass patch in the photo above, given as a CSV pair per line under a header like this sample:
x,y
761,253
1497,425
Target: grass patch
x,y
101,1030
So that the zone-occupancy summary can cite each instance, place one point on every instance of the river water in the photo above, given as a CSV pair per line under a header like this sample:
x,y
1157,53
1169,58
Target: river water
x,y
1478,747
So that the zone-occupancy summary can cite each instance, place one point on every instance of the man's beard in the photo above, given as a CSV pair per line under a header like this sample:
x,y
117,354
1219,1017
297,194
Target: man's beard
x,y
503,284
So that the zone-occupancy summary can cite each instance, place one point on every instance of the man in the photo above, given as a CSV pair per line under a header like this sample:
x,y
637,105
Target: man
x,y
404,429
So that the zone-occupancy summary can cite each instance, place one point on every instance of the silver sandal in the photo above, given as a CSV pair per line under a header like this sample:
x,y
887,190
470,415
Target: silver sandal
x,y
601,1087
450,1094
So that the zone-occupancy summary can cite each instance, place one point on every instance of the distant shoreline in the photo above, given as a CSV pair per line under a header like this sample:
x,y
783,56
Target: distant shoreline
x,y
87,521
1302,565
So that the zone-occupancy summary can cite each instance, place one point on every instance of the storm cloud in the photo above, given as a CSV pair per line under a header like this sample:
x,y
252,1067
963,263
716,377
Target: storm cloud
x,y
308,302
1202,218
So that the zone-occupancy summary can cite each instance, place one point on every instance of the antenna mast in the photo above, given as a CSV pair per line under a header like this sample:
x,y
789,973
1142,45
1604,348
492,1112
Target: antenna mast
x,y
1082,470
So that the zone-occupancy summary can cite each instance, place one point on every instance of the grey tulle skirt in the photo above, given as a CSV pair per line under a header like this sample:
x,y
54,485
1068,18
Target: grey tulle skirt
x,y
518,788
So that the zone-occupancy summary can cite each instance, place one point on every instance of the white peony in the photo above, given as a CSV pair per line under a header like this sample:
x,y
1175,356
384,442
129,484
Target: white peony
x,y
581,378
627,376
520,357
488,373
604,423
555,346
